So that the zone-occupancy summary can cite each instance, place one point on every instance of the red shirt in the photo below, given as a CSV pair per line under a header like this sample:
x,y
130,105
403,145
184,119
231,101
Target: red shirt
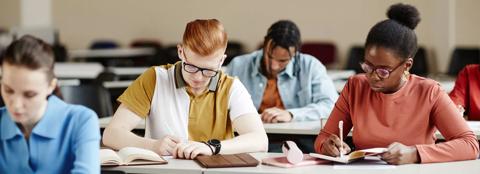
x,y
409,116
467,91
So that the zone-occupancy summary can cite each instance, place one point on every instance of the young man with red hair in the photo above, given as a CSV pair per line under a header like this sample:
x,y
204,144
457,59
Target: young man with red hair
x,y
191,107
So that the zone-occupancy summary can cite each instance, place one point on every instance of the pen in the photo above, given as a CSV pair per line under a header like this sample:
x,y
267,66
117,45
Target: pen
x,y
340,127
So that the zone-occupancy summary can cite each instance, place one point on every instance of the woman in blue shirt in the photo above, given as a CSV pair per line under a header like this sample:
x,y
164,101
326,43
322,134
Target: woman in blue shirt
x,y
39,132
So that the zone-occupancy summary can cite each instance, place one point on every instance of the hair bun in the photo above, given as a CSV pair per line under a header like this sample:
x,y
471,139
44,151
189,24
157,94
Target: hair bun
x,y
404,14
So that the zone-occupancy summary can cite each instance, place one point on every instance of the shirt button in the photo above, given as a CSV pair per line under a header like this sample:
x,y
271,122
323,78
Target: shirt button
x,y
261,84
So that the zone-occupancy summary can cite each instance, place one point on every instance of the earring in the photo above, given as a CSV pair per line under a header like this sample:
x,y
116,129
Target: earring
x,y
406,74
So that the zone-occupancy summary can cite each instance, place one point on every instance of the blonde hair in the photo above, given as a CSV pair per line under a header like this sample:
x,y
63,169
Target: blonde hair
x,y
205,36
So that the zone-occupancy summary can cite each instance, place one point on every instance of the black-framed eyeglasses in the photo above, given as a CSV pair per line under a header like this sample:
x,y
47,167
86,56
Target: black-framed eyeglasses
x,y
382,72
194,69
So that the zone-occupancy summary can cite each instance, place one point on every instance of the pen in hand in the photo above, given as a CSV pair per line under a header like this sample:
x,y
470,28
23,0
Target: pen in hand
x,y
340,127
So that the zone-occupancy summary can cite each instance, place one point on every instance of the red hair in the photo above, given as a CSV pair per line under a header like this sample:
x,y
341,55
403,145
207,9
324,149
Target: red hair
x,y
205,36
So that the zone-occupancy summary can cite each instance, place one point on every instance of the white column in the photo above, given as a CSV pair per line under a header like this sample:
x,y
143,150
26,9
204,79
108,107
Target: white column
x,y
443,32
35,13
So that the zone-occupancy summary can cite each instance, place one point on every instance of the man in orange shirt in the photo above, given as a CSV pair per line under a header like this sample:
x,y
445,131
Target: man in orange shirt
x,y
391,108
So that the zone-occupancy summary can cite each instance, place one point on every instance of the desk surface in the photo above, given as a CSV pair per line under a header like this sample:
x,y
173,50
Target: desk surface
x,y
190,166
174,166
300,128
90,70
111,53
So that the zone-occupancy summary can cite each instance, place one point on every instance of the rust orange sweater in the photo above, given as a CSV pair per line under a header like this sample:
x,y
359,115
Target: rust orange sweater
x,y
409,116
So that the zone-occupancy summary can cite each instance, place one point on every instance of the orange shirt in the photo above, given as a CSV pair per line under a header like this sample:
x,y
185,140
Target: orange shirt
x,y
271,97
467,91
409,116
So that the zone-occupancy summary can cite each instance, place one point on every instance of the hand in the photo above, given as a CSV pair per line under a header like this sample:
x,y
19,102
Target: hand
x,y
398,153
332,146
166,145
191,149
276,115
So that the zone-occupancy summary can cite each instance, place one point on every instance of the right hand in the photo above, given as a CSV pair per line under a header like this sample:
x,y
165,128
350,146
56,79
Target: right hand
x,y
331,146
166,145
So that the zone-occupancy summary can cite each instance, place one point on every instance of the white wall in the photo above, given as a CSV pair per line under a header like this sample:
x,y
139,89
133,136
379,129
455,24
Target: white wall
x,y
36,13
9,13
445,23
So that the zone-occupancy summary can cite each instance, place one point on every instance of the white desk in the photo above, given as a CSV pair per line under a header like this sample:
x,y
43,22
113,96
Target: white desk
x,y
111,53
340,74
90,70
122,71
465,167
117,84
174,166
78,70
300,128
190,166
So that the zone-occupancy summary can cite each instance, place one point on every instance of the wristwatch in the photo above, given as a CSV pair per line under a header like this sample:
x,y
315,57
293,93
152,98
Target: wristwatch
x,y
216,144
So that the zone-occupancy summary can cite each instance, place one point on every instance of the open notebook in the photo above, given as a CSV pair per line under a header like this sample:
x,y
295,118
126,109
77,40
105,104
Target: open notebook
x,y
353,156
129,156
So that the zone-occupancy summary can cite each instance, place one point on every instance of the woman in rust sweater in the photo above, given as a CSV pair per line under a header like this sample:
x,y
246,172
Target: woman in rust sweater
x,y
388,107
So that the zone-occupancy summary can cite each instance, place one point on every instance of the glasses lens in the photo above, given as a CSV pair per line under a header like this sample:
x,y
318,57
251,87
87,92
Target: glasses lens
x,y
190,68
366,68
209,73
382,73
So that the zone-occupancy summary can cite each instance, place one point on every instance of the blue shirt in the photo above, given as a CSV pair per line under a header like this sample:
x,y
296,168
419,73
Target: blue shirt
x,y
305,89
65,140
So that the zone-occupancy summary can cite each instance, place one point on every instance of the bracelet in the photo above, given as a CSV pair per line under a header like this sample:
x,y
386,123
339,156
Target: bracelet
x,y
211,149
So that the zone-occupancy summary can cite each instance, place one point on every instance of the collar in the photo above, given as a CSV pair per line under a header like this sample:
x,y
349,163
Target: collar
x,y
9,128
180,82
258,63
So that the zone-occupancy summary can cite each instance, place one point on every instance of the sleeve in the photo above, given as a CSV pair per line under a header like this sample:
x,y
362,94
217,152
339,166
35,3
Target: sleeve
x,y
323,95
459,93
240,102
138,96
461,143
341,111
86,142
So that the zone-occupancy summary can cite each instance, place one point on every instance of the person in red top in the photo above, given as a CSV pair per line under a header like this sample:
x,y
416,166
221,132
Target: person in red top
x,y
388,107
466,93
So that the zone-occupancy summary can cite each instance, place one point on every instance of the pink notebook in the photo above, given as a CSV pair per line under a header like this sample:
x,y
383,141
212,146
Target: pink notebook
x,y
282,161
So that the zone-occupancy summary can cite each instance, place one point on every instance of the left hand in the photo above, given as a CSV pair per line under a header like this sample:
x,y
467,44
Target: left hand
x,y
276,115
397,154
190,150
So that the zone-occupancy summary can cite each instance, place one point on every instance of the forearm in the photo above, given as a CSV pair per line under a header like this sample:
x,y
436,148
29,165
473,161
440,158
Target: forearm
x,y
118,138
463,148
250,142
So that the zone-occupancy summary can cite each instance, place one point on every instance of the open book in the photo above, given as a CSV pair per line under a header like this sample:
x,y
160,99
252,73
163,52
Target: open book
x,y
353,156
129,156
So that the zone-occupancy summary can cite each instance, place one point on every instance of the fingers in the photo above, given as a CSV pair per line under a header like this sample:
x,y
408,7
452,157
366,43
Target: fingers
x,y
167,144
268,115
331,149
276,115
332,146
393,153
190,150
346,148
